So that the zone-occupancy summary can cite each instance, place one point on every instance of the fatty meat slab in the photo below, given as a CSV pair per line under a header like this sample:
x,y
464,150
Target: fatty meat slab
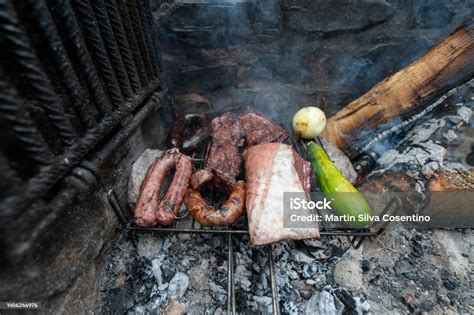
x,y
270,172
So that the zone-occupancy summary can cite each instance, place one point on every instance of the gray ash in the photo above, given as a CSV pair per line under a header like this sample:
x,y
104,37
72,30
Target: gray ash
x,y
147,273
182,273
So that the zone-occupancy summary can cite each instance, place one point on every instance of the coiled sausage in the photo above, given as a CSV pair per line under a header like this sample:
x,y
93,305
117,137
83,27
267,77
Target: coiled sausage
x,y
227,215
149,210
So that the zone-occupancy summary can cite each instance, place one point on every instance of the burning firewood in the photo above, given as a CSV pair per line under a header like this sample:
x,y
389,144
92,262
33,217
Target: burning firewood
x,y
445,66
453,181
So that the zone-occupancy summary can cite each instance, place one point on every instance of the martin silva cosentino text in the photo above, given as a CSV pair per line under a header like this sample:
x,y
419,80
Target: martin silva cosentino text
x,y
325,204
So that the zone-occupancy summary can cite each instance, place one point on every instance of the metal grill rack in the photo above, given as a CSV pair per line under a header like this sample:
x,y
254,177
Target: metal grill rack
x,y
356,237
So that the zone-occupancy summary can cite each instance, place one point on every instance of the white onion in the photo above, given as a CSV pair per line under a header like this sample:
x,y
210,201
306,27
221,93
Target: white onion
x,y
309,122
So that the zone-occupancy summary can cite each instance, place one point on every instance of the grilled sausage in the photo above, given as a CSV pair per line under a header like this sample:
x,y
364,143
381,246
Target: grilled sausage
x,y
198,138
201,177
175,137
150,210
206,215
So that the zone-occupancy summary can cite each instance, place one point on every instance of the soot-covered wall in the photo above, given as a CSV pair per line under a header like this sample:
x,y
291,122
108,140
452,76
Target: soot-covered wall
x,y
280,55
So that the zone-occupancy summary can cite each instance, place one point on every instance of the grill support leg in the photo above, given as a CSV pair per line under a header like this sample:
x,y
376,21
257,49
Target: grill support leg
x,y
230,278
275,304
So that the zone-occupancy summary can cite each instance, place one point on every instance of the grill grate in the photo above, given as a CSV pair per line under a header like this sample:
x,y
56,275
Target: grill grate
x,y
124,215
73,71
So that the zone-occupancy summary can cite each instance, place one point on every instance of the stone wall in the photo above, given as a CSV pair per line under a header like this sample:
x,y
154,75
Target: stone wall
x,y
280,55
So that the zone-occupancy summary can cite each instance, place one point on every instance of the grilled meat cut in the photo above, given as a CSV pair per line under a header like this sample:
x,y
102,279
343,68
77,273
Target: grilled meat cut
x,y
258,129
224,157
226,215
271,170
227,129
224,161
230,132
149,210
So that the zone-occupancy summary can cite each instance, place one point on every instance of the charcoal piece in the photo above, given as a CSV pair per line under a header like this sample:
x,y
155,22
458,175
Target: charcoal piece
x,y
346,299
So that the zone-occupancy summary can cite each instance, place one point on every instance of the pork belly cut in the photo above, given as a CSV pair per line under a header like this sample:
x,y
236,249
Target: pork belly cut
x,y
270,172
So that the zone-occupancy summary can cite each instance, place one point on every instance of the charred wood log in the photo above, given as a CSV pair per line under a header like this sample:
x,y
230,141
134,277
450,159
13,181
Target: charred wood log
x,y
445,66
453,181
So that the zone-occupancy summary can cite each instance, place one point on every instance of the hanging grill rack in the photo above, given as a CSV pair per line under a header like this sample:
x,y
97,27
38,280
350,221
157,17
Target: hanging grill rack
x,y
355,237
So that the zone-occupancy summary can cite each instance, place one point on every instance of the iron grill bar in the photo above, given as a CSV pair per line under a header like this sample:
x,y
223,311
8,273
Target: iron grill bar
x,y
77,95
186,231
112,199
230,277
20,48
138,31
96,44
43,181
34,226
74,36
123,44
68,195
153,33
123,10
111,47
273,282
142,6
23,127
132,227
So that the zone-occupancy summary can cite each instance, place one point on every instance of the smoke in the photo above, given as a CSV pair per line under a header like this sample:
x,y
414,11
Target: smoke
x,y
369,139
279,56
270,76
